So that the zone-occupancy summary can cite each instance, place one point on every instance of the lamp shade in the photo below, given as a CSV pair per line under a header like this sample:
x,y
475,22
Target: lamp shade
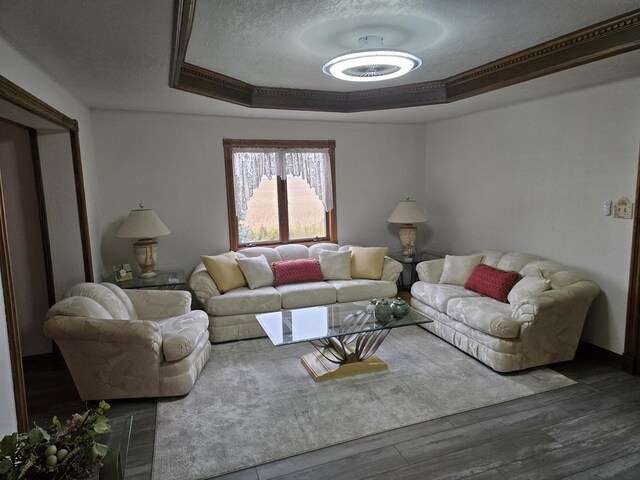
x,y
407,212
142,223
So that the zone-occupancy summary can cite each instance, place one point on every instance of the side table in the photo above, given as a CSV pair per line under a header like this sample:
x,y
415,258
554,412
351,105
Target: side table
x,y
421,256
164,280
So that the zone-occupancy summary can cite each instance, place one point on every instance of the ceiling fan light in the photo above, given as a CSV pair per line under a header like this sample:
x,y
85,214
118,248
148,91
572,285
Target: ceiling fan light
x,y
371,65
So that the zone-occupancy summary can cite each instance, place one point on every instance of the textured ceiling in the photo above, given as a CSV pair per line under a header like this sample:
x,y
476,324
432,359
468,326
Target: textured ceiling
x,y
115,54
285,43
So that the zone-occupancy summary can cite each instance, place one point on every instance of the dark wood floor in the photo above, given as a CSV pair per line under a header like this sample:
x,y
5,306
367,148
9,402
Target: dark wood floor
x,y
50,391
590,430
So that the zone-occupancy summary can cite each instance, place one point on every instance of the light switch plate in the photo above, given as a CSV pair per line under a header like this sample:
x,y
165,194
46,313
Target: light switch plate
x,y
623,208
606,207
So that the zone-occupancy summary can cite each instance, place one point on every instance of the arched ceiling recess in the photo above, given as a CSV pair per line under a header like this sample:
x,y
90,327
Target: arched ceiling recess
x,y
601,40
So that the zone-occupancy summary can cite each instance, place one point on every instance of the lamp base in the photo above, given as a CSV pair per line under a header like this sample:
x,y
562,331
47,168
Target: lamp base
x,y
408,240
146,253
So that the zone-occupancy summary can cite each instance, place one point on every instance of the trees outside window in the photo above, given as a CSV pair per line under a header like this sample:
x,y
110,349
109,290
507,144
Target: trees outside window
x,y
280,191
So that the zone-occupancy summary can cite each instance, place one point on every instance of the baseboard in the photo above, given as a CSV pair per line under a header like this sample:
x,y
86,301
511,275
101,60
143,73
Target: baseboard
x,y
628,364
603,355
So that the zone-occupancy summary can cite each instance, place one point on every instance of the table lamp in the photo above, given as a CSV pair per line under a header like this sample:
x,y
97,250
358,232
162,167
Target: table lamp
x,y
407,213
144,224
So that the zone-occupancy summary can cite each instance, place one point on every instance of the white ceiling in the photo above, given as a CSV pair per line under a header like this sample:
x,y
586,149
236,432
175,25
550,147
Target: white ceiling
x,y
115,54
285,43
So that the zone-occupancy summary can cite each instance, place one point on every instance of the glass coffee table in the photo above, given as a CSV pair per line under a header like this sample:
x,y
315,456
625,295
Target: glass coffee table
x,y
344,335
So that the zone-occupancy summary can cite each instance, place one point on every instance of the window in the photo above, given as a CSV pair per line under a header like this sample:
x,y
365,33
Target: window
x,y
280,191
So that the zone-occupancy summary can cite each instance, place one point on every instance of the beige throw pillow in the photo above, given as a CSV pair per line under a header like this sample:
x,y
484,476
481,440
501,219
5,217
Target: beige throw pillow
x,y
528,287
224,270
256,271
367,262
457,269
335,265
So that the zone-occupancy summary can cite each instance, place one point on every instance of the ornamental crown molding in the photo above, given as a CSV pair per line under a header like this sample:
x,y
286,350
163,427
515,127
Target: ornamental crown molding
x,y
599,41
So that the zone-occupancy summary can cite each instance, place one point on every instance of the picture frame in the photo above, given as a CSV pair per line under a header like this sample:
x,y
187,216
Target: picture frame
x,y
122,273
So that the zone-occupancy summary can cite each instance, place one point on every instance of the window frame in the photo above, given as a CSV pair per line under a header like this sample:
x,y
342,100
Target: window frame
x,y
283,213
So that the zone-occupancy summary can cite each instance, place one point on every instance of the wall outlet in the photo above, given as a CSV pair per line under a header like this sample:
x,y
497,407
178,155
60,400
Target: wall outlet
x,y
623,208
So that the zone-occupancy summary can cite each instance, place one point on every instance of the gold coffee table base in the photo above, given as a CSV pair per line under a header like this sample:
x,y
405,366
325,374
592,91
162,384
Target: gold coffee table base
x,y
322,369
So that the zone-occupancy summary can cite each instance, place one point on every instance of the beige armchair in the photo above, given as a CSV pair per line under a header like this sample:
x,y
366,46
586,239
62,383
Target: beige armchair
x,y
129,343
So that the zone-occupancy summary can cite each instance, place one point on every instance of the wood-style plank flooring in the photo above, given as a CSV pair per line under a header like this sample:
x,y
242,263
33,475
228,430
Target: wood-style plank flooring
x,y
590,430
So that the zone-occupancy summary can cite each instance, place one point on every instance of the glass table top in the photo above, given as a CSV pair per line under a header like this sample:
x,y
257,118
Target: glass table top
x,y
163,278
313,323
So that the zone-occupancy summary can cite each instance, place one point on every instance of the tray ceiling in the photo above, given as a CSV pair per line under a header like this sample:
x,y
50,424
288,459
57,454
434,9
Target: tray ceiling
x,y
285,43
117,54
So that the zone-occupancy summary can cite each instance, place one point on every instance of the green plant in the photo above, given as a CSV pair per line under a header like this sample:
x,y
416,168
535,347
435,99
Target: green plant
x,y
61,452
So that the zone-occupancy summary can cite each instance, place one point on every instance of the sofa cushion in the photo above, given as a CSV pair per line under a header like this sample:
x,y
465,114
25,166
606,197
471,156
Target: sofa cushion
x,y
335,265
296,295
528,287
257,271
271,254
438,295
491,282
296,271
567,277
490,257
103,296
559,275
515,262
124,298
362,289
316,248
292,251
181,334
367,262
224,271
486,315
457,268
243,300
79,307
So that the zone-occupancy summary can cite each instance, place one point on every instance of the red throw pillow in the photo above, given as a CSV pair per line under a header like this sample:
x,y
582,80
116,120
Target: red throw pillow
x,y
294,271
491,282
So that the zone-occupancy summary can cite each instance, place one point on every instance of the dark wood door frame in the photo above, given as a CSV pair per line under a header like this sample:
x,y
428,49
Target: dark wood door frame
x,y
42,216
12,93
631,356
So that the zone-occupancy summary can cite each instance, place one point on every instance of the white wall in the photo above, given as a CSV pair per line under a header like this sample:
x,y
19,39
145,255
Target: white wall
x,y
175,165
533,178
19,69
62,211
8,422
22,71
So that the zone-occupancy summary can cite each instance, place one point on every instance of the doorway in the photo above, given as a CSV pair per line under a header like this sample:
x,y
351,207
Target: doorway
x,y
59,186
23,198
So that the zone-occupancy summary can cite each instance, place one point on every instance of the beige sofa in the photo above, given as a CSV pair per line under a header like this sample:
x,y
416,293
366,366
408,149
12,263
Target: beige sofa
x,y
232,314
129,343
541,329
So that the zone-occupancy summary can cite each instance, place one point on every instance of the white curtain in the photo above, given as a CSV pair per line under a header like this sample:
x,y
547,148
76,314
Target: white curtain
x,y
251,164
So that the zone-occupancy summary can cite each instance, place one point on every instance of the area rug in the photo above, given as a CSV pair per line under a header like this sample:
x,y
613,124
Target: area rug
x,y
255,403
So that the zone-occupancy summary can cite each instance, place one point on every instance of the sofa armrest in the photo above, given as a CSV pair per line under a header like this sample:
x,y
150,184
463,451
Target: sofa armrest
x,y
156,304
104,331
109,358
556,316
430,271
391,270
202,285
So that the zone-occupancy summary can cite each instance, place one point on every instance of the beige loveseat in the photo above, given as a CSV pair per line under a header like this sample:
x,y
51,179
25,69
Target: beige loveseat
x,y
232,314
129,343
539,329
